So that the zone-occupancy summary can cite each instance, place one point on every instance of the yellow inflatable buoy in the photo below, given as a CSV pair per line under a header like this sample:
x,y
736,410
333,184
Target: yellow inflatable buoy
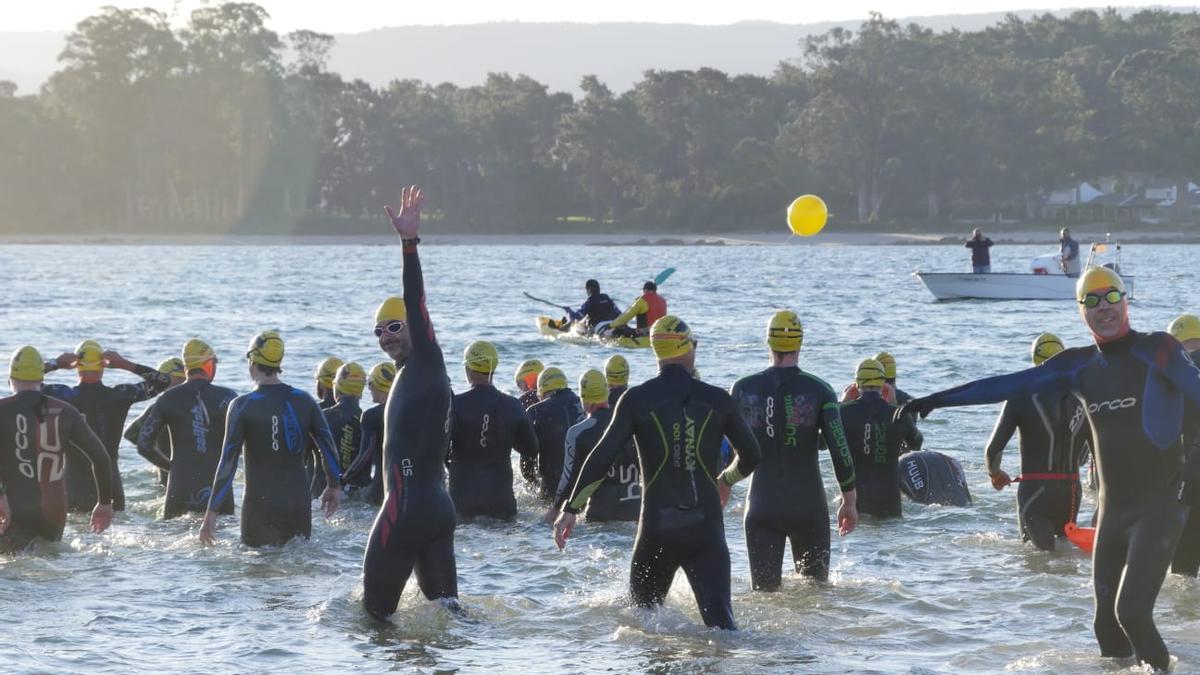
x,y
807,214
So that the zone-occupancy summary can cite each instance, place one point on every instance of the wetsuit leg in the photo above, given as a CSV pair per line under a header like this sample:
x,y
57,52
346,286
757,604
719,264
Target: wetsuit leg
x,y
810,541
1033,514
385,573
16,539
708,573
1151,545
1187,554
265,526
437,573
764,545
1108,564
651,571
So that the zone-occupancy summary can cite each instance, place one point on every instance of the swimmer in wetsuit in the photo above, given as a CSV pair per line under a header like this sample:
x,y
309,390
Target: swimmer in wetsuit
x,y
789,411
616,372
414,530
619,497
273,425
876,442
1186,329
559,410
326,371
678,423
1135,386
174,369
193,417
1055,438
36,434
368,465
344,418
105,409
486,425
526,377
889,391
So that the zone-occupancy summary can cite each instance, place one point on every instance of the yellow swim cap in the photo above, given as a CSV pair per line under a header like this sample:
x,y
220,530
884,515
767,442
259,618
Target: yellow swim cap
x,y
26,365
1097,279
327,370
383,375
1185,327
350,379
481,357
91,356
392,309
528,372
869,374
889,364
784,332
196,353
551,379
266,349
593,387
670,337
1045,346
616,370
172,367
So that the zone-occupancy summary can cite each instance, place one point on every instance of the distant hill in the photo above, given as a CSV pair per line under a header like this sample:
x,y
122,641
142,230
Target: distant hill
x,y
557,54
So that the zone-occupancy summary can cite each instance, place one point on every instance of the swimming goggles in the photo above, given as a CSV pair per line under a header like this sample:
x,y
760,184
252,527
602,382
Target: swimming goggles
x,y
1092,300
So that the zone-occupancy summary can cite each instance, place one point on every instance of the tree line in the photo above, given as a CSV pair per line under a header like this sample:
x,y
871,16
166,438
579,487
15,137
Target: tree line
x,y
224,125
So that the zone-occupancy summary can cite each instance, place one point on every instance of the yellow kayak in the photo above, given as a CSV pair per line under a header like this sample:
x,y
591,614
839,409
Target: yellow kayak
x,y
549,327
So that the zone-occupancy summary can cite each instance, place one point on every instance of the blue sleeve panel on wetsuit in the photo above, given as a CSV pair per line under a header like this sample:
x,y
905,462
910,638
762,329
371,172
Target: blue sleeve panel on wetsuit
x,y
60,391
1056,372
320,435
1162,411
230,451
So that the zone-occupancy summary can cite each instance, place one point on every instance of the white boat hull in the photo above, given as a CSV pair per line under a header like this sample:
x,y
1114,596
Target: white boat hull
x,y
1001,286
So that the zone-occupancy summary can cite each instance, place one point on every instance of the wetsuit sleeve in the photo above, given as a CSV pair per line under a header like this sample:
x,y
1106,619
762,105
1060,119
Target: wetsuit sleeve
x,y
525,440
834,434
577,314
1005,426
1181,370
741,439
231,449
153,383
147,446
572,463
639,306
420,328
1057,372
596,465
366,451
322,437
83,439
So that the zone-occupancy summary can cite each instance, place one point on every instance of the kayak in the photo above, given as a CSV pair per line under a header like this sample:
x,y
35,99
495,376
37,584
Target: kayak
x,y
548,326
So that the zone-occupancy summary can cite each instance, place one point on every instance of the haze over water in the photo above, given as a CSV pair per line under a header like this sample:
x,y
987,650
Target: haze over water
x,y
943,590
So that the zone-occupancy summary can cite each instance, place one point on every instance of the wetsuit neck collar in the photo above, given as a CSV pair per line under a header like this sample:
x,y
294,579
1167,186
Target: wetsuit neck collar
x,y
674,370
870,394
1120,344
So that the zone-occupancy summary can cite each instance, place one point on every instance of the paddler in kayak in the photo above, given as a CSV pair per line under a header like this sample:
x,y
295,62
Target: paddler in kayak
x,y
597,309
648,308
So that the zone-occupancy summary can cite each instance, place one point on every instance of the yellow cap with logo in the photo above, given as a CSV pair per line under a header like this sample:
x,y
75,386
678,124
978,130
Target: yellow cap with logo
x,y
616,370
593,387
26,365
196,354
785,333
671,337
551,379
869,374
266,349
889,364
350,379
1097,279
528,372
391,309
327,370
481,357
91,357
383,375
172,367
1185,327
1044,346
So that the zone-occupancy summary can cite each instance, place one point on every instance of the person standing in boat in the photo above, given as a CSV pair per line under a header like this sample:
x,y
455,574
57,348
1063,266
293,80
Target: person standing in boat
x,y
1068,253
981,258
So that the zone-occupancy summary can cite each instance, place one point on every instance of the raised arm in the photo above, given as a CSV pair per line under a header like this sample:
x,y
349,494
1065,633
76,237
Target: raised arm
x,y
153,382
407,223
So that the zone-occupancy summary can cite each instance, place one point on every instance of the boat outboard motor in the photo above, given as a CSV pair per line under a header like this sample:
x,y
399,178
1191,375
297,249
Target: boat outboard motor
x,y
929,477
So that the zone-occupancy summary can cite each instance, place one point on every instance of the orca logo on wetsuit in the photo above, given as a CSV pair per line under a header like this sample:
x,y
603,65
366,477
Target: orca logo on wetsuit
x,y
1113,405
49,451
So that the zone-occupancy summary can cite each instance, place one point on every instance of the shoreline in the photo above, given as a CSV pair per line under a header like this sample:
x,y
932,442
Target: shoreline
x,y
1083,235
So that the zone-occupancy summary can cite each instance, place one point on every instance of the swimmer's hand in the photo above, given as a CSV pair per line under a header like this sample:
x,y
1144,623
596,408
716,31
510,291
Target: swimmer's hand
x,y
114,360
407,220
208,530
723,491
66,360
918,406
102,517
562,529
848,513
5,514
1000,479
331,499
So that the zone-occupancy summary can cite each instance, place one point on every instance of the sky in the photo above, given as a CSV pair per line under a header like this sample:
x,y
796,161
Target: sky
x,y
349,16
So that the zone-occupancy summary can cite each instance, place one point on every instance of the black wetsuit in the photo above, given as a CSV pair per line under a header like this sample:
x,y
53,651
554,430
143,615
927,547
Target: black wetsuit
x,y
1187,554
274,425
345,423
678,423
902,396
528,399
162,443
790,411
1055,438
37,433
1135,389
486,425
415,527
367,468
316,479
105,409
875,443
193,416
619,497
551,418
614,394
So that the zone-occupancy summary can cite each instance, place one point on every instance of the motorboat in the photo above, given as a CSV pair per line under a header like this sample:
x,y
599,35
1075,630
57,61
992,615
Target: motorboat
x,y
1046,279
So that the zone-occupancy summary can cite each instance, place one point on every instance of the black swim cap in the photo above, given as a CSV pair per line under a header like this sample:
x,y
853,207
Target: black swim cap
x,y
649,286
